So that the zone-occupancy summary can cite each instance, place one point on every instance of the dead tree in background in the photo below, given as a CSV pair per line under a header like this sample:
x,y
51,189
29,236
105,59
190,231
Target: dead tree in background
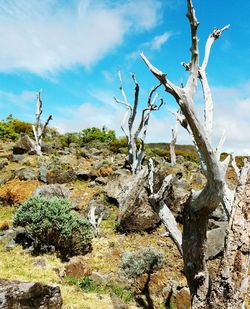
x,y
204,292
135,151
174,132
38,127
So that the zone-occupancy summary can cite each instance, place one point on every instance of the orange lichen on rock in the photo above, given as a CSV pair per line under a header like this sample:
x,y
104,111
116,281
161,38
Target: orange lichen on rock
x,y
4,225
15,192
104,171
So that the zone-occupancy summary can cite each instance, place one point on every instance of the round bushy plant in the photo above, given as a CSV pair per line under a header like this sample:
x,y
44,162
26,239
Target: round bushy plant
x,y
144,261
52,222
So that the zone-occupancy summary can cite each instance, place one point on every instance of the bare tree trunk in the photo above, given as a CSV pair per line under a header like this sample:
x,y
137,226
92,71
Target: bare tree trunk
x,y
229,289
38,128
136,153
201,204
194,245
172,144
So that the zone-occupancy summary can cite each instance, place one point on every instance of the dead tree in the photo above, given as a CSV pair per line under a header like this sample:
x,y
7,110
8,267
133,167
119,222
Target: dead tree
x,y
38,127
201,204
174,131
135,151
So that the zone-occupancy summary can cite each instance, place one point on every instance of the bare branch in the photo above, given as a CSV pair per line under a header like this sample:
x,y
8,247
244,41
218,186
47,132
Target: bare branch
x,y
93,219
235,167
137,89
126,115
151,93
212,37
156,201
123,103
47,123
220,144
121,88
194,63
170,87
208,112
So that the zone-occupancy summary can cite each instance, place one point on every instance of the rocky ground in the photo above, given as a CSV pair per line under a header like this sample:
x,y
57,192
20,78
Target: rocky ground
x,y
92,177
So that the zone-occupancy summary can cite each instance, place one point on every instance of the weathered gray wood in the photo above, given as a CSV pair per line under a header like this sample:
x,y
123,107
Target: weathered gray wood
x,y
38,128
157,202
135,152
172,143
200,204
230,288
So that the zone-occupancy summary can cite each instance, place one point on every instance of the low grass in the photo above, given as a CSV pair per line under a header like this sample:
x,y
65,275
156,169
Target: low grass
x,y
6,213
16,264
88,285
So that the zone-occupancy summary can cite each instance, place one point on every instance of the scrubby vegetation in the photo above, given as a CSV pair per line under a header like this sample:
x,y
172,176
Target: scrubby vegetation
x,y
51,222
88,285
143,261
135,267
12,128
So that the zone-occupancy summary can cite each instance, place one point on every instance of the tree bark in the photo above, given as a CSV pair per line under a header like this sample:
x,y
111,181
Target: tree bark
x,y
229,289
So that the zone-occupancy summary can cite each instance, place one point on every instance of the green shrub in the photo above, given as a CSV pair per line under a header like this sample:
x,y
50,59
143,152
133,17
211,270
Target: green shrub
x,y
11,128
118,144
22,127
7,131
94,134
141,262
52,222
64,140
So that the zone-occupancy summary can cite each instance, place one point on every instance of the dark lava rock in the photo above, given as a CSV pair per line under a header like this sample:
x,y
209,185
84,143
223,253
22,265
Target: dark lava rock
x,y
29,295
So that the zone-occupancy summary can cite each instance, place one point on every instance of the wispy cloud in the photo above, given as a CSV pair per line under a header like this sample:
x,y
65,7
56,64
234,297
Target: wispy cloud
x,y
155,44
88,115
23,99
159,40
47,36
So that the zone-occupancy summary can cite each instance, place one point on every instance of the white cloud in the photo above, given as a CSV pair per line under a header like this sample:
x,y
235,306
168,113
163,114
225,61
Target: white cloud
x,y
231,113
155,44
22,99
159,40
88,115
43,37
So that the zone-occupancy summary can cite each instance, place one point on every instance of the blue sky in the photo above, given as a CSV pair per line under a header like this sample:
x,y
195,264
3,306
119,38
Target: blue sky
x,y
73,49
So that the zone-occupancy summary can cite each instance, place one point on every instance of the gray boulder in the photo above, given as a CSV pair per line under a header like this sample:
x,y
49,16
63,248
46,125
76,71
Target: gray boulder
x,y
24,145
25,173
16,157
58,176
129,193
29,295
53,190
215,242
43,170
